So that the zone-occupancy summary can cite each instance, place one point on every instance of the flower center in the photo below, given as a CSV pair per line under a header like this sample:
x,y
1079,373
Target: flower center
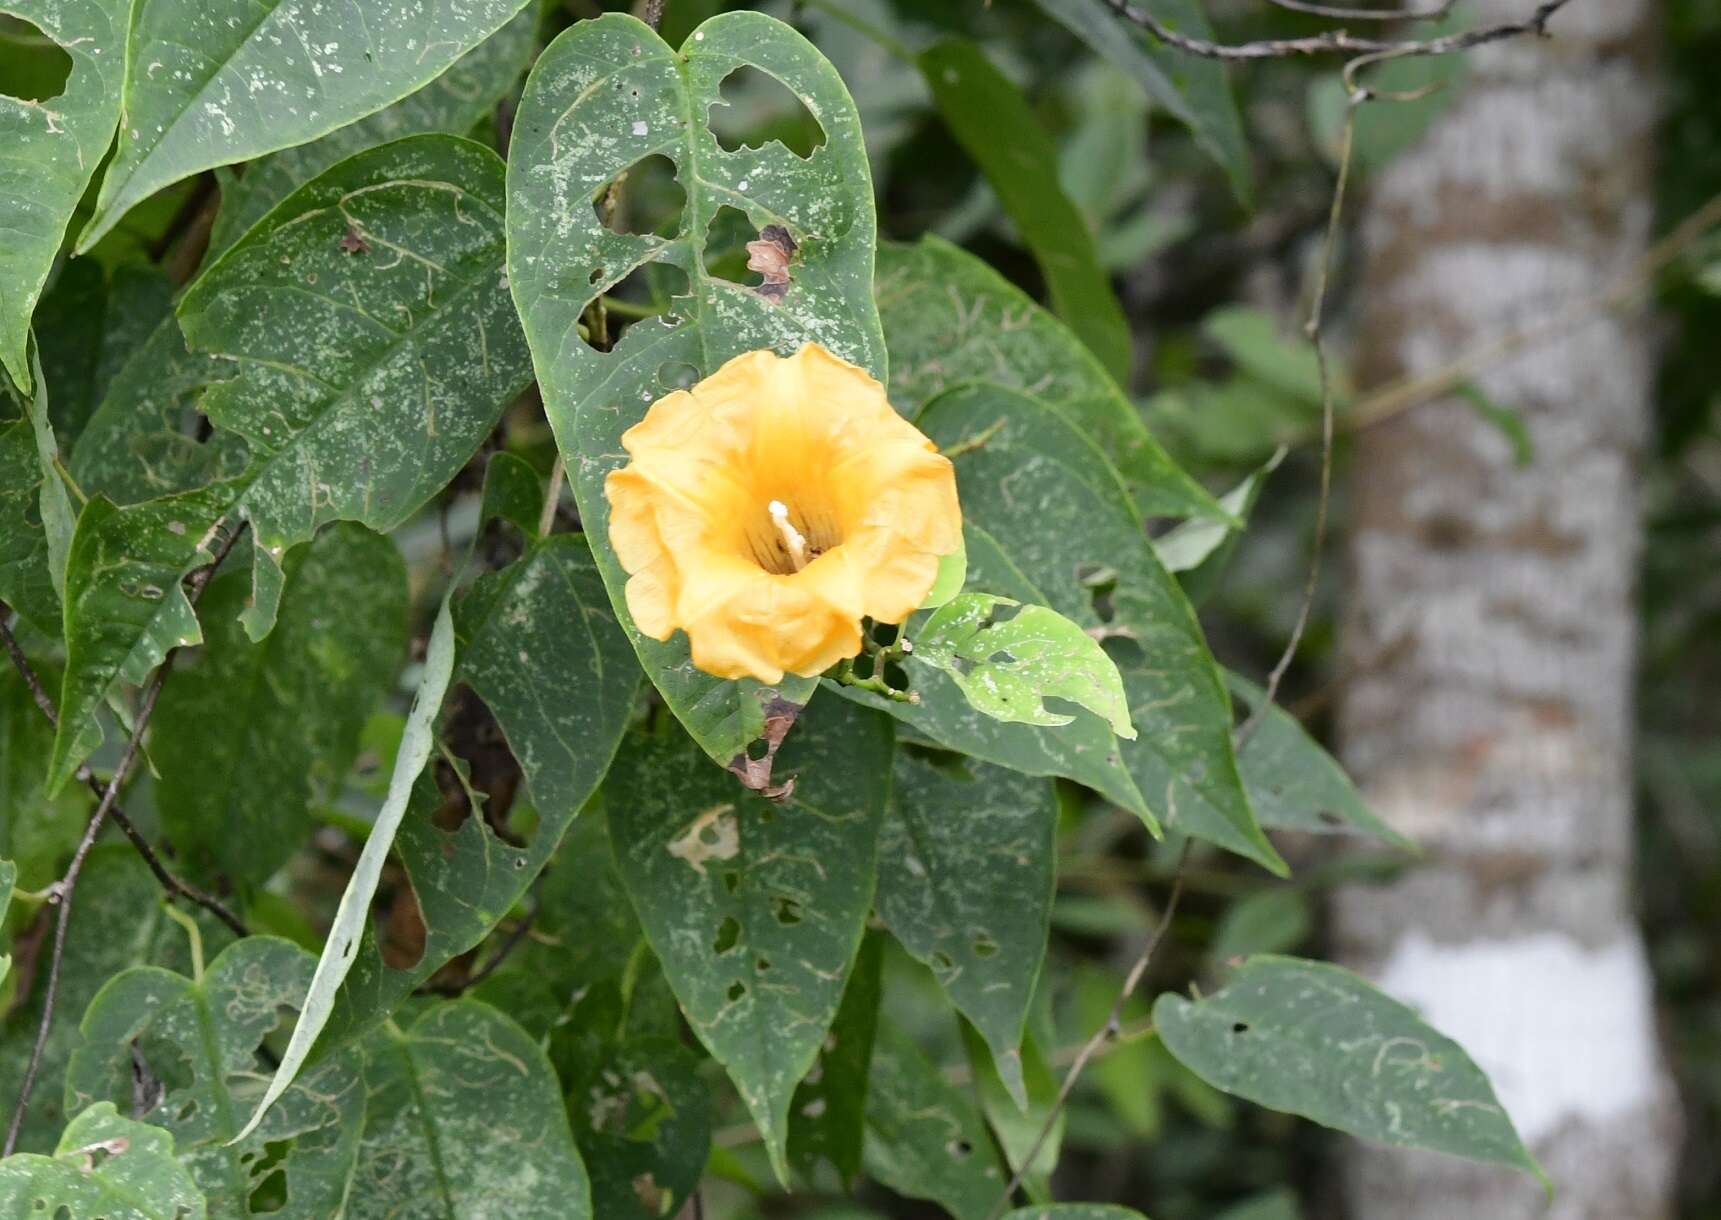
x,y
785,538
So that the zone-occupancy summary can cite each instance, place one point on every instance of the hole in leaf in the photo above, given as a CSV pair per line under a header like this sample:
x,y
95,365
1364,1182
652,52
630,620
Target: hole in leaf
x,y
985,946
941,962
1240,1027
397,918
648,291
647,199
736,991
1101,583
36,65
762,965
731,881
677,375
725,252
959,1149
1329,818
786,910
728,935
270,1193
755,108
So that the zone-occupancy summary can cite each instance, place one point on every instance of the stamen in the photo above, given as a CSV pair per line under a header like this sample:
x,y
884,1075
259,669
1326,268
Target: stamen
x,y
791,536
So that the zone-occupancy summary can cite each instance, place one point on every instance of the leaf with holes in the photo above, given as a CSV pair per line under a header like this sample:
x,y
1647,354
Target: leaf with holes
x,y
105,1166
827,1119
352,916
949,318
121,923
1194,91
454,103
1008,666
607,95
53,147
965,880
366,374
464,1118
540,646
186,1055
251,737
642,1118
756,907
1313,1039
1049,521
125,609
210,88
925,1137
995,125
1293,783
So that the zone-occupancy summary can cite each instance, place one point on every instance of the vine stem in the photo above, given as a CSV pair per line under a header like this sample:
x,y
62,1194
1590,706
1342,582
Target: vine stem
x,y
67,886
1107,1032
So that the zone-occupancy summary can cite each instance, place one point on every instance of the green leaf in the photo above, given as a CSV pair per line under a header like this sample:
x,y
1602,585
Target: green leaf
x,y
1509,421
995,125
185,1055
26,583
582,122
374,342
36,833
1293,783
454,102
352,916
135,446
966,873
118,922
1189,544
125,609
87,326
1059,530
254,736
464,1118
1275,920
541,648
208,90
1017,1120
642,1117
1272,1205
1252,340
1008,667
105,1166
52,152
924,1137
8,878
54,503
1075,1211
949,318
827,1119
952,574
1313,1039
1194,91
756,907
513,492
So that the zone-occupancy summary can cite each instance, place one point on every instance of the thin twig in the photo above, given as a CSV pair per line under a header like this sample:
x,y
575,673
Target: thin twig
x,y
29,675
1105,1033
1315,329
1332,13
516,937
68,885
1337,41
552,496
173,885
1401,395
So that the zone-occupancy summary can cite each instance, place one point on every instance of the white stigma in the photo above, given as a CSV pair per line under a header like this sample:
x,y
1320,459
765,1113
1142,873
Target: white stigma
x,y
791,536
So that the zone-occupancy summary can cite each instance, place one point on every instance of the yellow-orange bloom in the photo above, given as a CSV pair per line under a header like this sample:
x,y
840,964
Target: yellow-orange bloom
x,y
770,508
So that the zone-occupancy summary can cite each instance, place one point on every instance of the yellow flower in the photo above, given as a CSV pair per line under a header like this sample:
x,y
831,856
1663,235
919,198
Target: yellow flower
x,y
770,508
